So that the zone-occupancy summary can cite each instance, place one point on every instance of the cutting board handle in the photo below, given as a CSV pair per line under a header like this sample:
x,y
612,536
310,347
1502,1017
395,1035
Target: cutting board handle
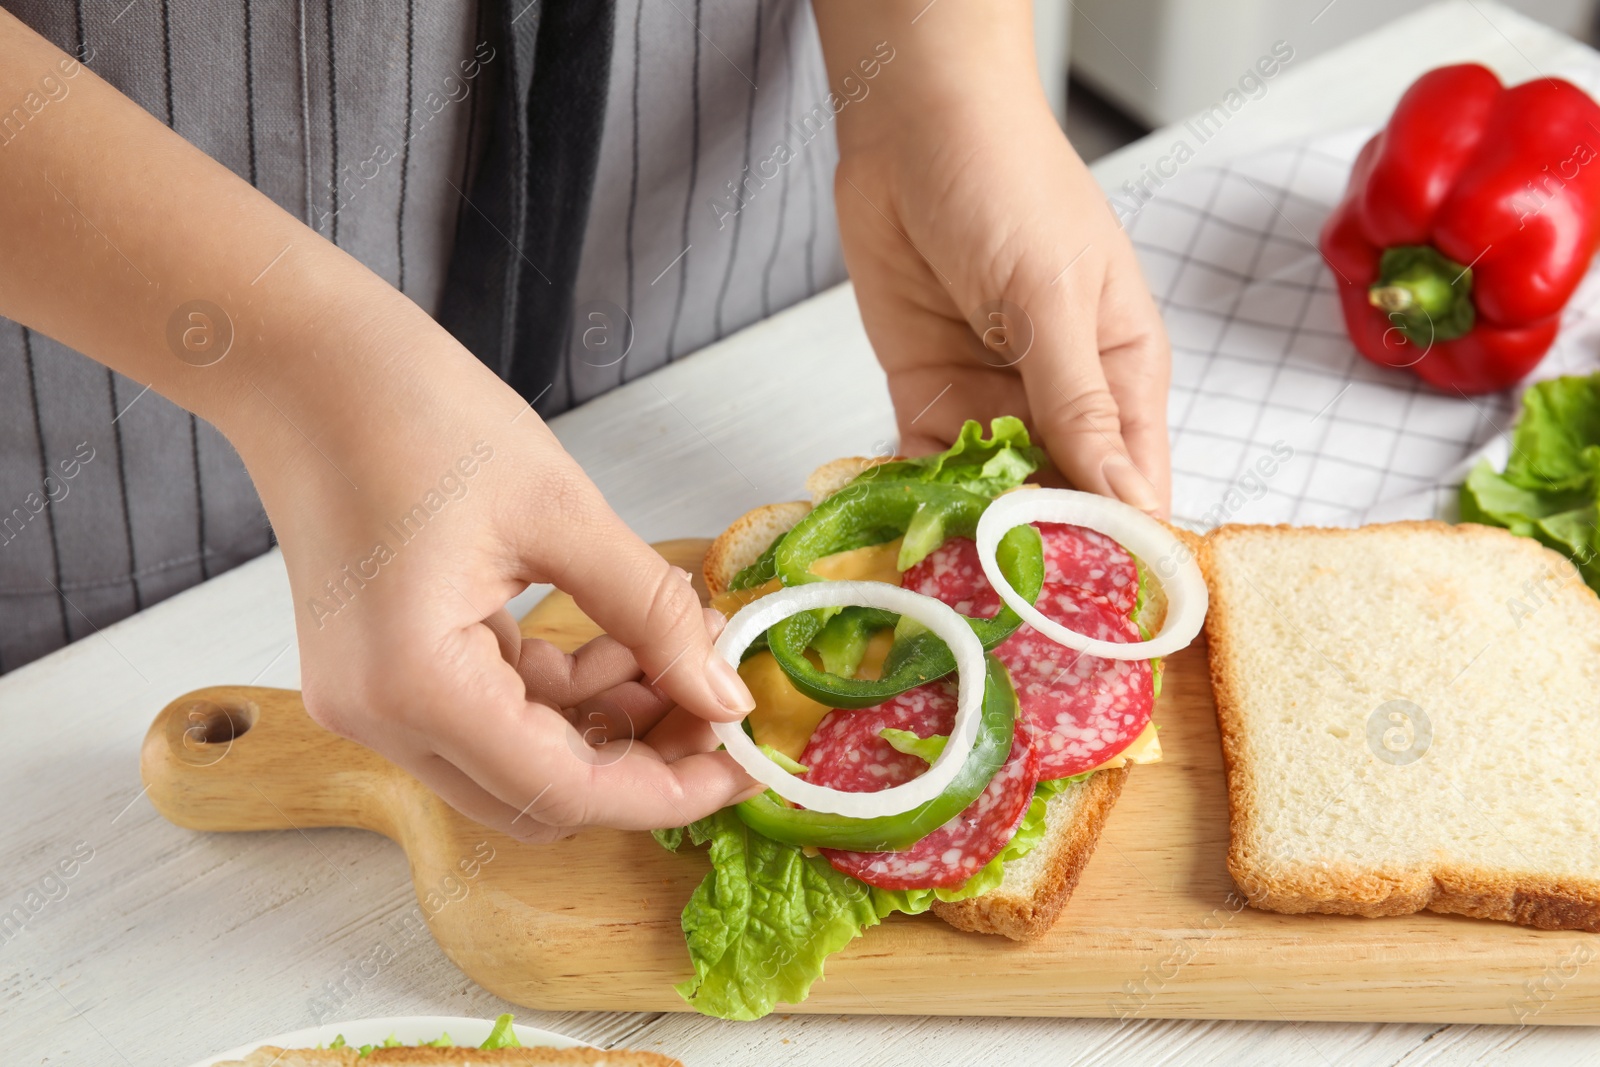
x,y
236,757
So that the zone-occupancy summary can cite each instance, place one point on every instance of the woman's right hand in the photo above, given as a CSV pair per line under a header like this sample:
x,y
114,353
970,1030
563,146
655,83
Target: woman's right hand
x,y
404,539
412,491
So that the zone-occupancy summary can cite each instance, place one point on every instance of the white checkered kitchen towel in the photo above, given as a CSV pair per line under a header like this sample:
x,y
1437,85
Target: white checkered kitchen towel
x,y
1275,417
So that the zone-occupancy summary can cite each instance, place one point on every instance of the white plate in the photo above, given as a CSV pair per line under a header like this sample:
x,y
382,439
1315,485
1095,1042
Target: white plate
x,y
407,1029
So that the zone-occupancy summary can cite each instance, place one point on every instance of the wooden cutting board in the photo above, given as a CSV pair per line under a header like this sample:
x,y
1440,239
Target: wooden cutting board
x,y
1155,928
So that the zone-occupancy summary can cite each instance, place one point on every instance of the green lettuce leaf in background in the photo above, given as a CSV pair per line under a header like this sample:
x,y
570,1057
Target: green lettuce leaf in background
x,y
1555,440
987,466
1550,488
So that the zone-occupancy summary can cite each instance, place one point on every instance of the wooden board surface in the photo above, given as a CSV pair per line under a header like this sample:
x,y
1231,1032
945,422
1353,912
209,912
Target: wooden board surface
x,y
1155,928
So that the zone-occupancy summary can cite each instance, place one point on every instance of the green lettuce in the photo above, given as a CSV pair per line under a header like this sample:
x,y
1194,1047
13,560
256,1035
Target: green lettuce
x,y
783,760
1141,604
767,916
987,466
926,748
1550,489
503,1035
761,923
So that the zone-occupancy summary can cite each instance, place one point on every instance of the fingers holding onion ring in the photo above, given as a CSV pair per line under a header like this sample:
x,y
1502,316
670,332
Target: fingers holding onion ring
x,y
1135,531
755,618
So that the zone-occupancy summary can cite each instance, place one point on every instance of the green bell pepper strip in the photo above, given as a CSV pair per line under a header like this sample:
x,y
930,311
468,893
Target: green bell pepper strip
x,y
842,641
767,813
872,513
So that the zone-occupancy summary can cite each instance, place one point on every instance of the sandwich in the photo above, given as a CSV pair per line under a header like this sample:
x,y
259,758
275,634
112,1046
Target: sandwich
x,y
853,699
1408,715
501,1047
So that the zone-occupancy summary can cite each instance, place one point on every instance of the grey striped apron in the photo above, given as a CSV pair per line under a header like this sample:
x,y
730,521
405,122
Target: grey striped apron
x,y
112,499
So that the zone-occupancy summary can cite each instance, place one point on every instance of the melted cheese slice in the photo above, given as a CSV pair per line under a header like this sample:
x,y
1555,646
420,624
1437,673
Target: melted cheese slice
x,y
874,563
1146,748
785,718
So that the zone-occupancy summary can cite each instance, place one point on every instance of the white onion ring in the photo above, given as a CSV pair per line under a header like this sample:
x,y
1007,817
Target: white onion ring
x,y
754,618
1135,531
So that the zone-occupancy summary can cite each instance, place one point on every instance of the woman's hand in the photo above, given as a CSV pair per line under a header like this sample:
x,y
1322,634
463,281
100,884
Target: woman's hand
x,y
991,274
404,539
413,492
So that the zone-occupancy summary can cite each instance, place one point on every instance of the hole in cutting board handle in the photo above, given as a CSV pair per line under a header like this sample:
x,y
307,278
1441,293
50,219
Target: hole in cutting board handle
x,y
203,732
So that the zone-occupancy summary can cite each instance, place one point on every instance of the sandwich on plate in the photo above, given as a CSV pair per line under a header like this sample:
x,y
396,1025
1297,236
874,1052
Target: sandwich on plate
x,y
953,671
500,1049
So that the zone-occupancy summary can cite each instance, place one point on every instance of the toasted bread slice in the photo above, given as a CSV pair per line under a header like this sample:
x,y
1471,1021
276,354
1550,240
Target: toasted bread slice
x,y
1037,886
1409,721
831,477
742,543
454,1057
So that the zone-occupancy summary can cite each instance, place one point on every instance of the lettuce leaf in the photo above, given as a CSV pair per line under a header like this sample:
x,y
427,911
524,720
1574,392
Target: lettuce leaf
x,y
761,923
1554,442
767,916
987,466
1550,489
1141,604
783,760
502,1035
926,748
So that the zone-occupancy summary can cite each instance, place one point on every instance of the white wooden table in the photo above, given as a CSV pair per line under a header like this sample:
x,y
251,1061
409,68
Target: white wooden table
x,y
168,945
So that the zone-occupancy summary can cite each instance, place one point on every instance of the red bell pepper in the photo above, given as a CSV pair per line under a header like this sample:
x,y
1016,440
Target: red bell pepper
x,y
1468,222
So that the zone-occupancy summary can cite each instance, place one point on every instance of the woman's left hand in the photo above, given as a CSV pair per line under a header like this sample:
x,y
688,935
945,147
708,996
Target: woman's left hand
x,y
992,275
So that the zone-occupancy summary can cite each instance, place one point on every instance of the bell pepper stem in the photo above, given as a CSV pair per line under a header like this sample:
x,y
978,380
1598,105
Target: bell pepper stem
x,y
1426,296
1390,297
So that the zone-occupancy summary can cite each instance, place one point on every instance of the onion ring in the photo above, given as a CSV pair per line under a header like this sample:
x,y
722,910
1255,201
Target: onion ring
x,y
1135,531
754,618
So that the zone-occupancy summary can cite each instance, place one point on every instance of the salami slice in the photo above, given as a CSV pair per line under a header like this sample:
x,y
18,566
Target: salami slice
x,y
1073,557
846,751
1089,560
955,851
952,573
1079,710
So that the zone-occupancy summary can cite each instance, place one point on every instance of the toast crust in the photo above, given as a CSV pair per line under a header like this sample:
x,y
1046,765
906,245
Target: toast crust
x,y
1027,917
1351,889
746,538
836,474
